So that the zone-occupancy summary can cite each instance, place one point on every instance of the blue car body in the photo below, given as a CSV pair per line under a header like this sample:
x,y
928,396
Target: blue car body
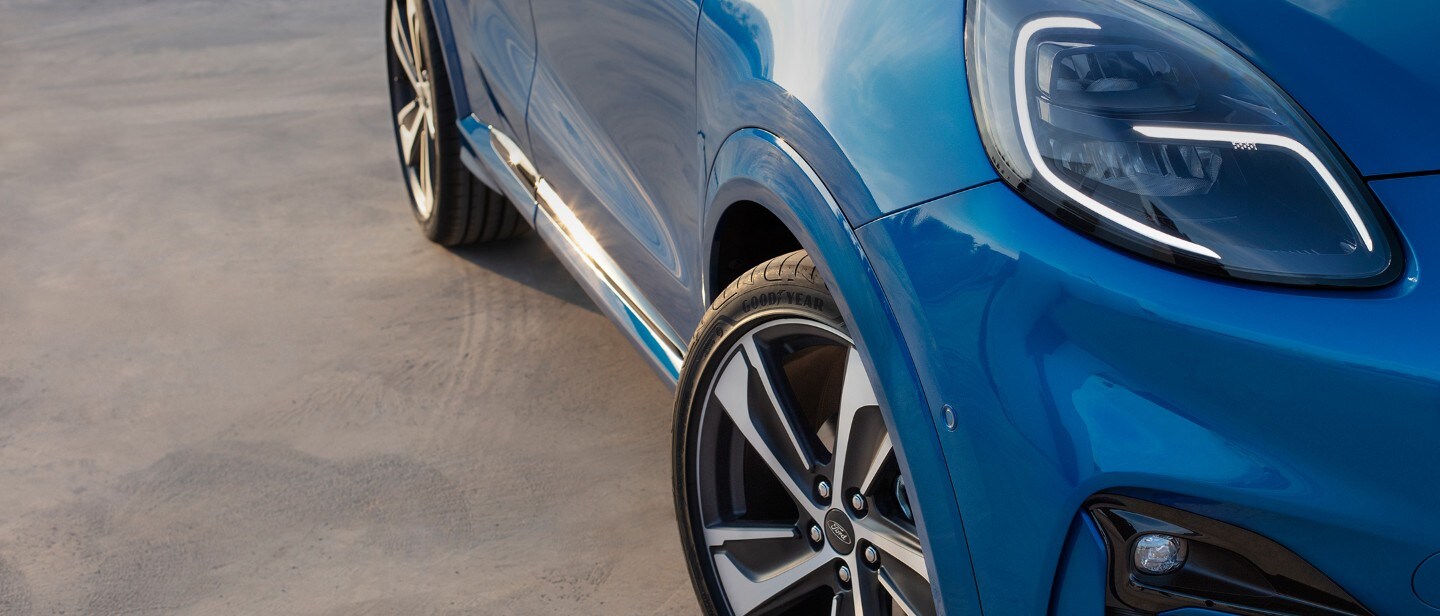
x,y
1026,367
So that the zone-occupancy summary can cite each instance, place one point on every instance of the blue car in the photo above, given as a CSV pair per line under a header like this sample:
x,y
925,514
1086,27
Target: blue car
x,y
1019,307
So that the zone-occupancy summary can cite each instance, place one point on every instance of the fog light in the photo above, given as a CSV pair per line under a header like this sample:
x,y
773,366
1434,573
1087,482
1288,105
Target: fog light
x,y
1159,554
1163,560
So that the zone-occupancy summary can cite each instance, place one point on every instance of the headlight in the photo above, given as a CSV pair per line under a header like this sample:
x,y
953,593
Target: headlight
x,y
1133,126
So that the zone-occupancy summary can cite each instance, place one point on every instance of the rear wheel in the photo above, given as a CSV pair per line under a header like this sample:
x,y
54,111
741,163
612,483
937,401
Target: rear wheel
x,y
451,205
790,497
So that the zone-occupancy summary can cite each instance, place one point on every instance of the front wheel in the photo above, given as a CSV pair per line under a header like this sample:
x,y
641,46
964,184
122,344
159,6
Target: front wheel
x,y
788,491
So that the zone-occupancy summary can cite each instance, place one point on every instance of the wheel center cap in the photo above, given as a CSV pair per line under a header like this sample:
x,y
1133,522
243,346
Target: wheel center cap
x,y
839,532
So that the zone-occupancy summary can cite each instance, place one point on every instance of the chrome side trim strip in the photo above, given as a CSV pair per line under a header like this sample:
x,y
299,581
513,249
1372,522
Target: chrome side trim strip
x,y
554,208
522,183
479,145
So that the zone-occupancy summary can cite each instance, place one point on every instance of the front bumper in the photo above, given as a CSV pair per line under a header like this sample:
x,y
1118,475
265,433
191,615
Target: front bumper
x,y
1309,417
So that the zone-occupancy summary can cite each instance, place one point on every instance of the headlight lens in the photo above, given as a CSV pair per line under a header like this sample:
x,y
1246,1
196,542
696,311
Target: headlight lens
x,y
1129,124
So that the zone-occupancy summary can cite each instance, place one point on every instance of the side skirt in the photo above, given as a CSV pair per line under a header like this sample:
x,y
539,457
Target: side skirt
x,y
498,161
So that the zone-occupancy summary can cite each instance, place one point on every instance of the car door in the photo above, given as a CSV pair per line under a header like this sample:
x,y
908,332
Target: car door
x,y
613,131
495,47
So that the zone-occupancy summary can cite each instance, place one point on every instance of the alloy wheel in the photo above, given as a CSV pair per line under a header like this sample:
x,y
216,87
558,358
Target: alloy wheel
x,y
799,503
412,94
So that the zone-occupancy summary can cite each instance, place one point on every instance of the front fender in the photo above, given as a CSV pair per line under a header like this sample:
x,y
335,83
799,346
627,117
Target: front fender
x,y
756,166
877,100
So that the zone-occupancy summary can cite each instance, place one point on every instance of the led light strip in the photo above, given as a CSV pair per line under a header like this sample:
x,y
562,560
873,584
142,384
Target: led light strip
x,y
1027,132
1237,137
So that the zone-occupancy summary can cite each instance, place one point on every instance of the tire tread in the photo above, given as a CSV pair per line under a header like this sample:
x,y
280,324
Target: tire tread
x,y
466,211
793,272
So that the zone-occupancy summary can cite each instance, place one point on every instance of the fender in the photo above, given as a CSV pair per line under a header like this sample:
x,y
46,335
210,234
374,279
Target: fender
x,y
754,165
886,125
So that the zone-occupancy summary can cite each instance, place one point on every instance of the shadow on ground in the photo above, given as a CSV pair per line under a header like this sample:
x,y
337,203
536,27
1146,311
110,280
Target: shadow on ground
x,y
234,378
528,261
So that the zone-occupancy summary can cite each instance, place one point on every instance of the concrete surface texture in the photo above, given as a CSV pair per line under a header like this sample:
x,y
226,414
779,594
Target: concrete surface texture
x,y
235,379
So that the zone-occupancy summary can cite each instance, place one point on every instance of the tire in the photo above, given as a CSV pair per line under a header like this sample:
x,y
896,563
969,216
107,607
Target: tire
x,y
774,407
453,207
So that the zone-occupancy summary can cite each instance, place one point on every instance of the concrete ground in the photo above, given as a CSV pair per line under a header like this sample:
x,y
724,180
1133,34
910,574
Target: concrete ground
x,y
235,379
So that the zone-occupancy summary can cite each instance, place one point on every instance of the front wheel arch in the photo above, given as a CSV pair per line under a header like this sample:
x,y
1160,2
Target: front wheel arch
x,y
754,165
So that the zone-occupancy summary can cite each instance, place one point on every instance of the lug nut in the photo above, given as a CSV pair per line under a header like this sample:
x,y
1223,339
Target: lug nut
x,y
857,502
823,489
872,555
844,574
816,534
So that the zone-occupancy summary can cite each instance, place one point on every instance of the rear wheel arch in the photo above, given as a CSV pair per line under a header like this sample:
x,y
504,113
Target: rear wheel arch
x,y
452,206
450,55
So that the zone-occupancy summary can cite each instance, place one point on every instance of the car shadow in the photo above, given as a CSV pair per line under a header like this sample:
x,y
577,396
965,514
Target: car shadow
x,y
528,261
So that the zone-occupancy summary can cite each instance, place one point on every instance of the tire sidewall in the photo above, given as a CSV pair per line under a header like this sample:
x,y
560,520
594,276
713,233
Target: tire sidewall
x,y
725,324
439,87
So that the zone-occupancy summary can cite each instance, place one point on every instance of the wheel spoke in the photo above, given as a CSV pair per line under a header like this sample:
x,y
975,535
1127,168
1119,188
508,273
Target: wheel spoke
x,y
732,390
894,543
865,599
426,196
898,596
862,443
416,23
411,121
400,43
761,555
746,593
882,453
858,392
720,534
757,363
424,146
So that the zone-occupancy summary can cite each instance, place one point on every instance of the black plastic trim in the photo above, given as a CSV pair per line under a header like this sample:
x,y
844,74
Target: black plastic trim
x,y
1228,569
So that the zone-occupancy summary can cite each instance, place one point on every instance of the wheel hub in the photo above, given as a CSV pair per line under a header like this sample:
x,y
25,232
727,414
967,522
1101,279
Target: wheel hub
x,y
794,469
839,532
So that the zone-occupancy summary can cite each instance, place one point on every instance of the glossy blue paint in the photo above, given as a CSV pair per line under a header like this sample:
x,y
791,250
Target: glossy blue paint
x,y
1305,416
615,295
876,99
495,50
1358,67
1309,417
1080,581
755,166
1427,582
613,129
650,343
